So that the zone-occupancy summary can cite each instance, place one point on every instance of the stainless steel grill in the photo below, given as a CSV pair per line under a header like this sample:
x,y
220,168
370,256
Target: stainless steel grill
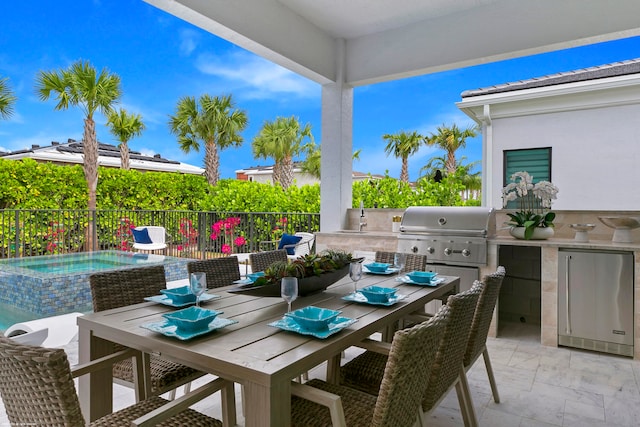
x,y
453,238
447,235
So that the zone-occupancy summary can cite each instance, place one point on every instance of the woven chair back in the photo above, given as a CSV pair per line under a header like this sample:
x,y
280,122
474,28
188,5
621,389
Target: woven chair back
x,y
447,365
482,318
220,271
36,386
261,260
120,288
414,261
407,371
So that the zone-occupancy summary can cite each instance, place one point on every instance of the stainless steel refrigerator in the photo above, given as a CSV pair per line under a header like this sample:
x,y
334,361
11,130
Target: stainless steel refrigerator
x,y
595,300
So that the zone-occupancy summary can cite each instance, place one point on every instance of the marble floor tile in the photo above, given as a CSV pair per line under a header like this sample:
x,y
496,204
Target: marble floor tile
x,y
539,387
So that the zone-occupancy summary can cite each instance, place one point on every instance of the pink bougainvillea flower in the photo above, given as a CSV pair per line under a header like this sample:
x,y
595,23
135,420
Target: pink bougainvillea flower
x,y
226,249
239,241
180,247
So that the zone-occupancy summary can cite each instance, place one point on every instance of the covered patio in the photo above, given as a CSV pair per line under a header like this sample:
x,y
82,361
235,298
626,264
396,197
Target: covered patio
x,y
343,44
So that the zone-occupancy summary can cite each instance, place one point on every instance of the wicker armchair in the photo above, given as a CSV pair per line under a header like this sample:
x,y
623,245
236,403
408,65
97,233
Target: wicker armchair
x,y
405,374
261,260
366,371
126,287
220,271
414,261
37,389
480,327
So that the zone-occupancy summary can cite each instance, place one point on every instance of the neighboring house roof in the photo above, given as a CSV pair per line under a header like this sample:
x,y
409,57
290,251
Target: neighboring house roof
x,y
615,69
268,170
108,156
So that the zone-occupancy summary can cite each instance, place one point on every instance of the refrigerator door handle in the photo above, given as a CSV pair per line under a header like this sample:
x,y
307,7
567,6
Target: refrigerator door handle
x,y
566,289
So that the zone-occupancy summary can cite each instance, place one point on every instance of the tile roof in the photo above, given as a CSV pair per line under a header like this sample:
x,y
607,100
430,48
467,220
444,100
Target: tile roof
x,y
615,69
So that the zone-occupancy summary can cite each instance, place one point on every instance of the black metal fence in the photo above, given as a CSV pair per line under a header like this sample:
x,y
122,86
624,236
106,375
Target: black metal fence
x,y
192,234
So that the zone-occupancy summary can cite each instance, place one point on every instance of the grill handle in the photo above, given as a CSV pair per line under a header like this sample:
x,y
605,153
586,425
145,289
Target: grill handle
x,y
443,232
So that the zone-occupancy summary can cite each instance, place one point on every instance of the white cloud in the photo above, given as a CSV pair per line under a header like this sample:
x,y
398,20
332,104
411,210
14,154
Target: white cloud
x,y
149,115
41,138
255,77
188,41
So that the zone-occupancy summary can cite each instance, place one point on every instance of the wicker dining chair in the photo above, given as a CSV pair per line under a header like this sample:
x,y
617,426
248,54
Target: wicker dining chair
x,y
37,389
261,260
413,262
365,372
407,368
477,344
220,271
120,288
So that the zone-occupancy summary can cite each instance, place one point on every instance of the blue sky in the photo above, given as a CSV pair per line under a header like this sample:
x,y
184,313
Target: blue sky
x,y
161,59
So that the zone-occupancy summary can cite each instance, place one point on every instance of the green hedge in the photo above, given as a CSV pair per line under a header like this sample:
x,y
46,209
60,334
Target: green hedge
x,y
27,184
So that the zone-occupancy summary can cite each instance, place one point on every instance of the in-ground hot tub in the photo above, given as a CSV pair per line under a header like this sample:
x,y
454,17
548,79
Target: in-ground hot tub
x,y
58,284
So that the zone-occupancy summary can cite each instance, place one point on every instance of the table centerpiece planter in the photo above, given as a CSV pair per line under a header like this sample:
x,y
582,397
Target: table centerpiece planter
x,y
314,272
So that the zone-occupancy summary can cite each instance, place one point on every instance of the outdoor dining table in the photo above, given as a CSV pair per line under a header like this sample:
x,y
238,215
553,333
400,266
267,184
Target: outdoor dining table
x,y
262,358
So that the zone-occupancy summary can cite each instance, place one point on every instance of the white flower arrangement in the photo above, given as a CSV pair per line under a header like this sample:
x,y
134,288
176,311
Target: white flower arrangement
x,y
533,200
522,188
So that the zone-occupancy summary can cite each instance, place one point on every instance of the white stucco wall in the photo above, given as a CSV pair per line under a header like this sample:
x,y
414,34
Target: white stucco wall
x,y
592,126
595,157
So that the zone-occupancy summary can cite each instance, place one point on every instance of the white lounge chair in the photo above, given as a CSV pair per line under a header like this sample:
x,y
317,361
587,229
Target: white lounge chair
x,y
54,331
155,242
302,247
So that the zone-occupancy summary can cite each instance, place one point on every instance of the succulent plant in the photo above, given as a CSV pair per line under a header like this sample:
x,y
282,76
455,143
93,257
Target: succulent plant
x,y
305,266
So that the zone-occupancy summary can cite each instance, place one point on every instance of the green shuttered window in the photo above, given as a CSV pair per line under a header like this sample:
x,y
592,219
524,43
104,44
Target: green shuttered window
x,y
536,161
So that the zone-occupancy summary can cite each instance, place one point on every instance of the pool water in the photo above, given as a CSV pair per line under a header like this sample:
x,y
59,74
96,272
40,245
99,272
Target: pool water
x,y
10,315
50,285
82,262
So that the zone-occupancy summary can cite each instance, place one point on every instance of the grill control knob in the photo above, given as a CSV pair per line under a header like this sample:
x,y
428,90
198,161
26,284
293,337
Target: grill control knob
x,y
430,250
414,249
448,251
466,252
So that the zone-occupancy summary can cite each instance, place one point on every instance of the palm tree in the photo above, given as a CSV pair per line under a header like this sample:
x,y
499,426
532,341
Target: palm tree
x,y
402,145
311,165
212,120
7,99
125,126
282,140
450,140
81,85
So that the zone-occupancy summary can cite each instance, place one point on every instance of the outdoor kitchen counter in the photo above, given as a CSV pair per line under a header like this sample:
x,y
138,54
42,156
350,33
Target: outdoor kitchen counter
x,y
354,240
549,279
566,243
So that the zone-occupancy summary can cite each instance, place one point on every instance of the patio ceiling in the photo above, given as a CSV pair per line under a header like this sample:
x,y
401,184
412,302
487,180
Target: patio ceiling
x,y
362,42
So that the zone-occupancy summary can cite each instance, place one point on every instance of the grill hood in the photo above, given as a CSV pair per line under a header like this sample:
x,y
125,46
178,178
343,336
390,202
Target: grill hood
x,y
448,220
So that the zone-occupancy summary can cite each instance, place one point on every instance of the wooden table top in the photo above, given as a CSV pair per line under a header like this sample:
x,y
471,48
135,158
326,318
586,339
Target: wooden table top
x,y
251,352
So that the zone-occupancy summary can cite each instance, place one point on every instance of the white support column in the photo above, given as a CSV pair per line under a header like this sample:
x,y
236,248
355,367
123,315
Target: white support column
x,y
487,159
337,149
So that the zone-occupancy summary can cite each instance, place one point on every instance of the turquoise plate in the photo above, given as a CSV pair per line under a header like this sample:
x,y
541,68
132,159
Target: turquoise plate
x,y
405,279
288,324
390,270
358,297
169,329
163,299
